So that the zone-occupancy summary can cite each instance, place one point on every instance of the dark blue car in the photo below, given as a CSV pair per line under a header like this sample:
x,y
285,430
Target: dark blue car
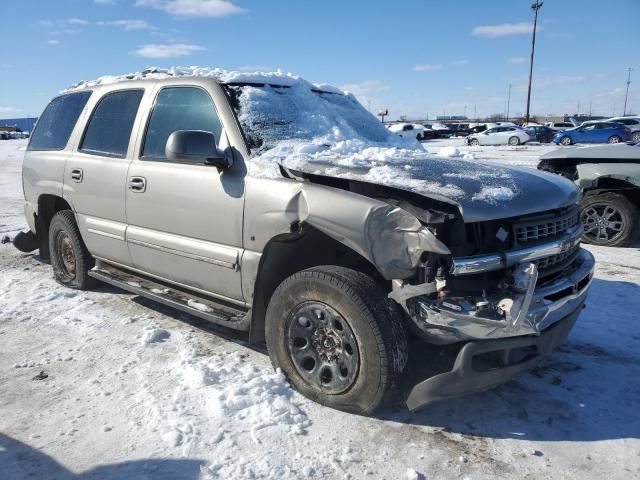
x,y
540,133
597,132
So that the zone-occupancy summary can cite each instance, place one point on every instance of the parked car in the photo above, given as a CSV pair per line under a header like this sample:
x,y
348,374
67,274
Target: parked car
x,y
407,130
459,129
560,126
632,123
609,176
539,133
594,132
440,130
204,194
5,135
499,136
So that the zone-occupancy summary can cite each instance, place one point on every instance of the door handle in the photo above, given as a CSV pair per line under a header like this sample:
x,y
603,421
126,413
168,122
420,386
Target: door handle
x,y
137,184
76,174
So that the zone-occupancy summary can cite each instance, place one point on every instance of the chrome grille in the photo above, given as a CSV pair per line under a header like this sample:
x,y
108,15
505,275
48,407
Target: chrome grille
x,y
533,231
557,260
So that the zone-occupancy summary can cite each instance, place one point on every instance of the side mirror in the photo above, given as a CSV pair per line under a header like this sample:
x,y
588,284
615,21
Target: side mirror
x,y
196,146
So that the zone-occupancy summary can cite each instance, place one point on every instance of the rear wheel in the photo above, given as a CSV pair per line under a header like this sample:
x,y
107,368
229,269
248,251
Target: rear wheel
x,y
337,338
609,219
544,139
636,137
70,259
566,140
514,141
614,139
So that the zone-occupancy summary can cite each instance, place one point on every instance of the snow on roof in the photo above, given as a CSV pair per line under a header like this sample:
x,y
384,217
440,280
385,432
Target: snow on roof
x,y
277,77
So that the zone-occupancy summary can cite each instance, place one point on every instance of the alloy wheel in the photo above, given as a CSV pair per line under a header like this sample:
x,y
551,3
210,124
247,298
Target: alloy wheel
x,y
603,223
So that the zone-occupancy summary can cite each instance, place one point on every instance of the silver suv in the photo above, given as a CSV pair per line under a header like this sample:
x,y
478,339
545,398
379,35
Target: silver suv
x,y
270,205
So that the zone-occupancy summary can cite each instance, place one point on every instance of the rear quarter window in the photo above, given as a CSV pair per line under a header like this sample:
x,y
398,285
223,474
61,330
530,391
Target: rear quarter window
x,y
56,123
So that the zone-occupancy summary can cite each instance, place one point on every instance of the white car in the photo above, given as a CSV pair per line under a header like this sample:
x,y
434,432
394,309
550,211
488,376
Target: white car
x,y
632,123
560,126
499,136
407,130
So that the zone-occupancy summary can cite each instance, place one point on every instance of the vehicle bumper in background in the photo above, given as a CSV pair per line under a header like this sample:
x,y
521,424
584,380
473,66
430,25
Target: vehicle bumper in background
x,y
510,356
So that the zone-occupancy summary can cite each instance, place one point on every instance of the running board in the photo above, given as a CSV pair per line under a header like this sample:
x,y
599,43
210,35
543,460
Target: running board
x,y
197,305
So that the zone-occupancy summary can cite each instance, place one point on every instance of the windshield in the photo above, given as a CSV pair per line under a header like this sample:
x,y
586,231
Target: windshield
x,y
270,114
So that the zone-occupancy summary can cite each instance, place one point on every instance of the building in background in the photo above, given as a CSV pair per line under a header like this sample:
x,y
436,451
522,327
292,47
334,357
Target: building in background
x,y
18,124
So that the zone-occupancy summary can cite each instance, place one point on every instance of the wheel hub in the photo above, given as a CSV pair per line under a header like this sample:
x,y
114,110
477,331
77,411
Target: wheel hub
x,y
322,347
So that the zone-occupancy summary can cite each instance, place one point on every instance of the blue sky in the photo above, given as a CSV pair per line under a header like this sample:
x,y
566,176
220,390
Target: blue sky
x,y
413,57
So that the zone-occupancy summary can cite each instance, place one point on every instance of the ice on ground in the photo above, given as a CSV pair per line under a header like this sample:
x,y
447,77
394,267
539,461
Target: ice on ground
x,y
154,335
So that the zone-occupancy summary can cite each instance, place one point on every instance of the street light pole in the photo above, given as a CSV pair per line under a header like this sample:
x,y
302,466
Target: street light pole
x,y
536,6
509,104
626,95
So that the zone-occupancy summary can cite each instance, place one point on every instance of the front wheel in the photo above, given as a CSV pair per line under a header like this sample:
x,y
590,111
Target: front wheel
x,y
614,139
609,219
636,137
474,142
566,141
337,338
70,259
514,141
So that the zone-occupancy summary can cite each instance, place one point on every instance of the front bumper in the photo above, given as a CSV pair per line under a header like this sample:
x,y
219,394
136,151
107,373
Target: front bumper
x,y
515,355
532,312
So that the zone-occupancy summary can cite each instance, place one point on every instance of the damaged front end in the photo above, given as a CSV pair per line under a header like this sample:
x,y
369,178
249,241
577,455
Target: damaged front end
x,y
524,298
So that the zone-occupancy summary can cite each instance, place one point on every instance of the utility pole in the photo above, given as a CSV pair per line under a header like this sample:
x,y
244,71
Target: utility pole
x,y
626,95
475,117
509,104
535,6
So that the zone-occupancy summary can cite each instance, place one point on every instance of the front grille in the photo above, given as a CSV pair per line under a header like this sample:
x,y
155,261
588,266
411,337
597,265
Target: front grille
x,y
552,263
546,228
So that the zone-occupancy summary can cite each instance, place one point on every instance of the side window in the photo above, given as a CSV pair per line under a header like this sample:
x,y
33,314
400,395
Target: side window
x,y
56,123
109,129
179,108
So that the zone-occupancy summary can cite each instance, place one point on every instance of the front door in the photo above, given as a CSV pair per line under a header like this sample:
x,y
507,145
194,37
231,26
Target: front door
x,y
96,172
185,219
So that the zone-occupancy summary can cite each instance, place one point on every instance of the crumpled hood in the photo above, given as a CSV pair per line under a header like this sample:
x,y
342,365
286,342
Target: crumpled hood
x,y
480,191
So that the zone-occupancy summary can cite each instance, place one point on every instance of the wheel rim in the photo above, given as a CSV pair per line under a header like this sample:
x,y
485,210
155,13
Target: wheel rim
x,y
603,223
514,141
474,142
614,140
565,141
322,347
66,254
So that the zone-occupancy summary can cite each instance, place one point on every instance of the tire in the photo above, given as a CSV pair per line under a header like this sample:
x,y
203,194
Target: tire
x,y
70,259
636,137
566,141
336,320
544,139
514,141
614,139
474,142
618,214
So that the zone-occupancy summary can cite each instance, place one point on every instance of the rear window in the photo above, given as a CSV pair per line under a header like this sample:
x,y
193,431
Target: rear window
x,y
56,123
110,126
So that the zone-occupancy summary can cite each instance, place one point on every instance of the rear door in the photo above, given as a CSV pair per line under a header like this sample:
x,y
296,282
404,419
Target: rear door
x,y
185,219
96,172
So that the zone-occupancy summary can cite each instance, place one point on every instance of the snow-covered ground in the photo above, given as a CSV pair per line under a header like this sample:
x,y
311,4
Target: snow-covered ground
x,y
105,385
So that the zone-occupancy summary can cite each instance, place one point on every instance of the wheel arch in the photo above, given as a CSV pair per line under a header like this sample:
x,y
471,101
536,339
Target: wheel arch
x,y
48,206
289,253
615,184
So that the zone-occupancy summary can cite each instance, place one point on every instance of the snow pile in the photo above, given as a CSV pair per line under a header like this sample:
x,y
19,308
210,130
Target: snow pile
x,y
277,77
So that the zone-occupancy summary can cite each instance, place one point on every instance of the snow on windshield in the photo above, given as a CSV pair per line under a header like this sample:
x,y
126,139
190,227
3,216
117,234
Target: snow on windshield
x,y
320,129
